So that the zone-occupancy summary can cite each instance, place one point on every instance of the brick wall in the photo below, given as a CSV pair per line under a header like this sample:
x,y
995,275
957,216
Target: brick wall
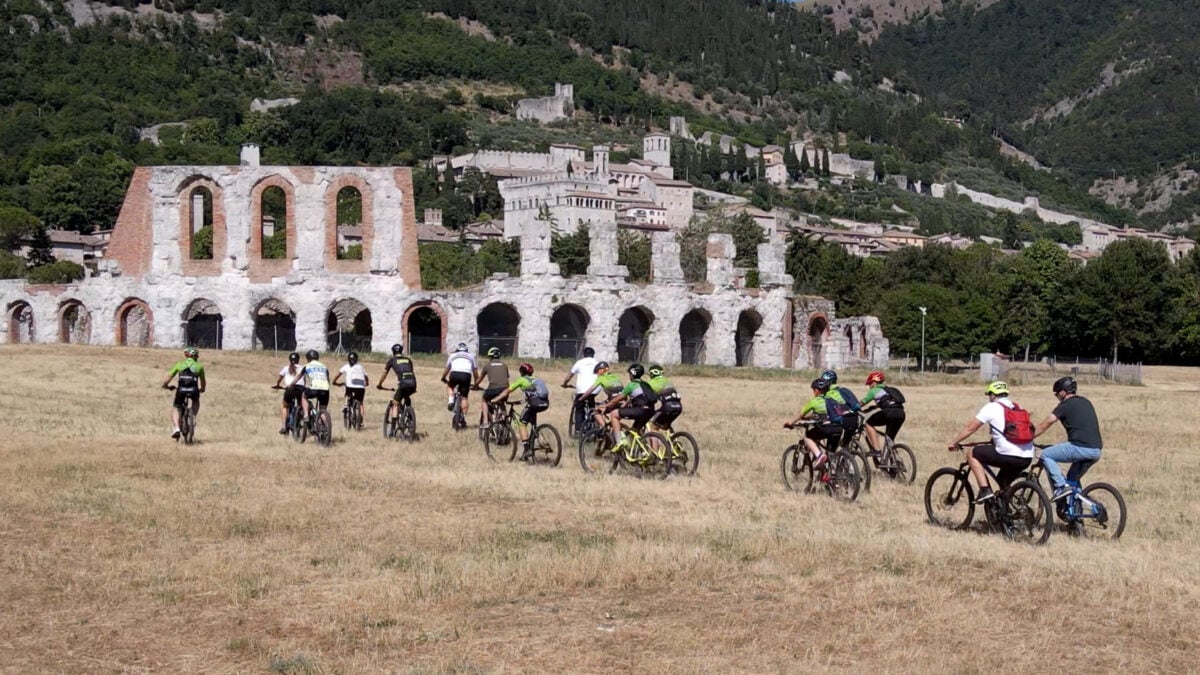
x,y
409,263
132,240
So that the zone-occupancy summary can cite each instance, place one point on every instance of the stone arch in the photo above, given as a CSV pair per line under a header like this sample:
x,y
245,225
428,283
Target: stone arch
x,y
498,325
21,326
200,207
273,223
425,328
74,323
568,331
135,323
693,333
748,325
274,326
262,268
633,334
203,325
818,330
348,327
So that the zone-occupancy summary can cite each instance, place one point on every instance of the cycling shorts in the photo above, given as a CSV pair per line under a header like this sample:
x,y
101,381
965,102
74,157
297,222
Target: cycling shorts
x,y
182,396
1010,466
319,395
404,389
830,433
356,393
891,419
461,383
291,394
529,415
492,392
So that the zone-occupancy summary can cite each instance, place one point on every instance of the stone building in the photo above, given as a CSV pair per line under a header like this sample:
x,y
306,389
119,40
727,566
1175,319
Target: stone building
x,y
548,109
292,290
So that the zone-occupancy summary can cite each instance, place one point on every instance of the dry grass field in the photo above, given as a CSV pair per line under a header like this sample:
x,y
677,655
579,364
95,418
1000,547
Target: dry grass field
x,y
121,551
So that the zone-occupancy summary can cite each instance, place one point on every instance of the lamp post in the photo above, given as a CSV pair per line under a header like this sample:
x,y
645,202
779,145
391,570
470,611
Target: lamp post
x,y
922,337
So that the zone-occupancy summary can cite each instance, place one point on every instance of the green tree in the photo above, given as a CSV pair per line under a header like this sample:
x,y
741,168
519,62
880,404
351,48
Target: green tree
x,y
1034,280
634,252
805,167
15,225
202,243
11,266
54,197
792,162
572,252
60,272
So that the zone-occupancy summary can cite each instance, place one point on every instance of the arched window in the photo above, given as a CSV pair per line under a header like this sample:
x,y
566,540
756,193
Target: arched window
x,y
693,330
274,223
200,213
349,224
498,325
568,332
633,334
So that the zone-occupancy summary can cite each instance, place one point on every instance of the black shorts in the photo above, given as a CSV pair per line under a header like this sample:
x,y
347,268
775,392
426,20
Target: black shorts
x,y
356,394
668,412
830,433
404,389
461,382
639,415
529,415
1009,466
319,395
291,394
891,419
181,396
492,392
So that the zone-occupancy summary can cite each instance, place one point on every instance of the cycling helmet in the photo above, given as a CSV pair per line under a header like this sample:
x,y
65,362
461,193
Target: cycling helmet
x,y
875,377
526,369
1066,384
191,352
312,355
494,353
461,347
352,357
588,352
821,385
397,349
997,388
602,365
829,376
294,357
636,371
655,370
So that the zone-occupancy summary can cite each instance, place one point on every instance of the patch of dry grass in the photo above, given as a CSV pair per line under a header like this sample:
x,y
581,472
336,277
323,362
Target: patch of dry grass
x,y
123,551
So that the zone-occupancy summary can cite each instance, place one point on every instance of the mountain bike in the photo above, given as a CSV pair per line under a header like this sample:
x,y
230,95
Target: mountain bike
x,y
542,448
1094,512
858,451
1020,511
187,419
295,418
402,425
458,421
352,415
838,475
585,406
502,430
320,424
896,461
684,457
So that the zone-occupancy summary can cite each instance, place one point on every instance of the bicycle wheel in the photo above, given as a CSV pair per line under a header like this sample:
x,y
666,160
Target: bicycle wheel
x,y
796,468
347,417
949,499
685,454
494,439
1029,518
324,432
407,424
658,454
356,410
187,426
899,463
302,428
1105,518
547,446
844,482
593,445
389,422
864,465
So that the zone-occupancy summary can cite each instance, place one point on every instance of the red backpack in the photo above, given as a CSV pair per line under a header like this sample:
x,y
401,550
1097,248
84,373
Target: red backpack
x,y
1018,428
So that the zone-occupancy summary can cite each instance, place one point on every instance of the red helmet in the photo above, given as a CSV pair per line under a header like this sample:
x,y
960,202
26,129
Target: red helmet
x,y
526,369
875,377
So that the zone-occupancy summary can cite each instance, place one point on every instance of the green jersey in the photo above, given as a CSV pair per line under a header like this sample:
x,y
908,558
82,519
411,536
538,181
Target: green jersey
x,y
189,371
610,383
814,408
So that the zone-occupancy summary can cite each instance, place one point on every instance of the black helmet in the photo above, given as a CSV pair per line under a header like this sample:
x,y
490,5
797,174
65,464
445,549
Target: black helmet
x,y
602,365
397,349
636,371
352,357
821,385
312,355
1066,384
294,357
829,376
589,352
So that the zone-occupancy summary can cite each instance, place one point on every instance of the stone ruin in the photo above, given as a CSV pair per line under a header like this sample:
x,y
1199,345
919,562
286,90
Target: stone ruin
x,y
560,106
273,279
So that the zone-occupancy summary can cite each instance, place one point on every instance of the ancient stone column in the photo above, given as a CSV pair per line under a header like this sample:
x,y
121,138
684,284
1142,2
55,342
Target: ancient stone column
x,y
719,256
664,259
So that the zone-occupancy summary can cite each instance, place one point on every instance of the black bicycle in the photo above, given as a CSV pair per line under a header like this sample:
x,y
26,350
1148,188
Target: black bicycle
x,y
352,415
838,475
1094,512
320,424
1019,511
402,425
187,419
294,422
458,421
895,461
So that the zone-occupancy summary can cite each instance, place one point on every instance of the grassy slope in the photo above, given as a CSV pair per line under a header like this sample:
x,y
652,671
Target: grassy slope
x,y
123,551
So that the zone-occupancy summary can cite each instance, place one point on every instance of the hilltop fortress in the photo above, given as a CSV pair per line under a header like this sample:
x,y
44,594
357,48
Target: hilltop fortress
x,y
276,277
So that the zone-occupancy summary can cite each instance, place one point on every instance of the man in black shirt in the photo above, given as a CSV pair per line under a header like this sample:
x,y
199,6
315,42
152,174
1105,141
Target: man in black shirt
x,y
1083,444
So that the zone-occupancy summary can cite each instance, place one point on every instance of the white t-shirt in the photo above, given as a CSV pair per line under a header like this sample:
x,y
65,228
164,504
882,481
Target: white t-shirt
x,y
584,372
992,416
290,380
355,376
461,362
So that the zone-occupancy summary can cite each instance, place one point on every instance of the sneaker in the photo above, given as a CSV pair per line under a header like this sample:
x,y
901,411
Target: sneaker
x,y
984,495
283,431
176,434
1061,492
450,405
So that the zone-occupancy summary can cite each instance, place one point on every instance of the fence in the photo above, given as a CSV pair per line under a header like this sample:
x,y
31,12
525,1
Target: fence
x,y
1002,367
506,345
691,352
566,348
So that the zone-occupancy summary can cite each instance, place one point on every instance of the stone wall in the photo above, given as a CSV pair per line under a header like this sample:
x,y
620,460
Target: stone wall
x,y
548,109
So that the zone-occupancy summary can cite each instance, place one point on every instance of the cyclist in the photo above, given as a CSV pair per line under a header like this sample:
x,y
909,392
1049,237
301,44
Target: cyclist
x,y
1083,444
497,377
191,384
637,404
356,380
316,381
537,399
670,406
1011,459
584,372
607,382
458,375
890,414
406,379
849,405
291,380
819,408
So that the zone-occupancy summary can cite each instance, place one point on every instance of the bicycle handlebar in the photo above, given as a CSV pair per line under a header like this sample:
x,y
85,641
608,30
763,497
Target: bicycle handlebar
x,y
801,423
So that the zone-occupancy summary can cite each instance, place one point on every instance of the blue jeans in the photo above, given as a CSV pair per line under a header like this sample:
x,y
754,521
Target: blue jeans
x,y
1081,458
